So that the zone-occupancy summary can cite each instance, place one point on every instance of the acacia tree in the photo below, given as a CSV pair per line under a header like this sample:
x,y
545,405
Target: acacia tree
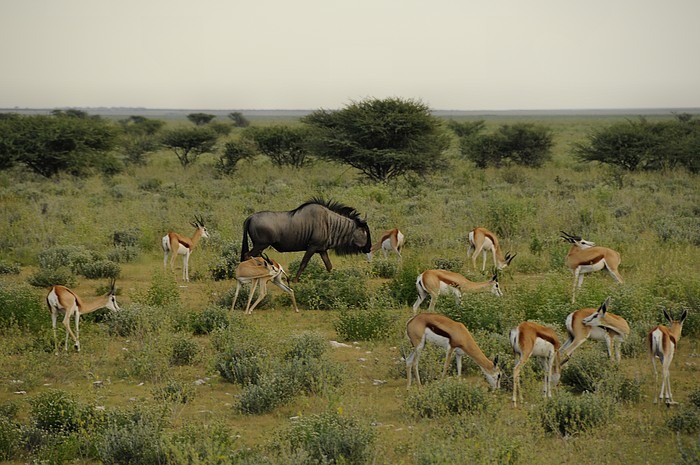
x,y
520,143
383,138
189,143
200,119
285,145
238,119
49,145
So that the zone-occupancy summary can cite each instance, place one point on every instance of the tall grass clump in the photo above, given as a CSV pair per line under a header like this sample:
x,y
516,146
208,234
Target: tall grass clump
x,y
330,438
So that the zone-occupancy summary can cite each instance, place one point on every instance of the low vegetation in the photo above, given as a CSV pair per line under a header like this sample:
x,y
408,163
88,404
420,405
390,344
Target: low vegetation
x,y
176,376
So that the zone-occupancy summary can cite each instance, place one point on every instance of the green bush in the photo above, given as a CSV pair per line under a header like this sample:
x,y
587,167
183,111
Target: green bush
x,y
241,363
620,387
567,414
331,438
134,320
268,393
363,324
55,411
209,319
73,257
136,442
202,444
123,254
524,144
126,237
21,307
9,268
46,278
451,396
403,286
310,375
694,397
586,369
163,292
225,265
453,264
175,392
101,269
10,439
320,290
685,421
184,350
385,269
305,346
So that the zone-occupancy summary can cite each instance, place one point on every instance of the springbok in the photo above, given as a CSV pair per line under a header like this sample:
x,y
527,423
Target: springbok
x,y
177,244
599,325
585,257
260,270
453,336
392,239
481,240
532,339
437,282
662,342
60,299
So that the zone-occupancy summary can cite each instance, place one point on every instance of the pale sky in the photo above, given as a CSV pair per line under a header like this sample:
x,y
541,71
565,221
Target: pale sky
x,y
311,54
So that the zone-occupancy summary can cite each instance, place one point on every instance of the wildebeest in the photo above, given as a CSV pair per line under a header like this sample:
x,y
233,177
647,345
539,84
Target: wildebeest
x,y
315,227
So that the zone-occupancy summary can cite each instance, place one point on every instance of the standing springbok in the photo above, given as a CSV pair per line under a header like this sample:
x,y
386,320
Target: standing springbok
x,y
260,270
662,342
392,239
437,282
455,338
481,240
532,339
177,244
585,257
599,325
60,299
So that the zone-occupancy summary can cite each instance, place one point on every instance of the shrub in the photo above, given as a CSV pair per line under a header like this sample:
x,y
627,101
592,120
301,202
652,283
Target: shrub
x,y
452,396
162,293
174,391
363,324
52,277
454,264
320,290
567,414
694,398
9,268
619,387
685,421
126,237
147,362
10,439
266,394
21,307
137,442
184,350
585,369
384,269
305,346
524,144
123,254
101,269
225,265
310,375
134,320
55,411
403,286
208,320
70,256
202,444
241,363
331,438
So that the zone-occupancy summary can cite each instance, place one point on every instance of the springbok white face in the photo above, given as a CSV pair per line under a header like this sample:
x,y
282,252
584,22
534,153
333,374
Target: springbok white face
x,y
112,303
496,288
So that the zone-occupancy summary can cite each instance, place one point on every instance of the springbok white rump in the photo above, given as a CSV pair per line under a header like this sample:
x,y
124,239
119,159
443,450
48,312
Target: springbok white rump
x,y
455,338
599,325
532,339
178,244
662,342
392,239
481,240
60,299
260,270
437,282
585,257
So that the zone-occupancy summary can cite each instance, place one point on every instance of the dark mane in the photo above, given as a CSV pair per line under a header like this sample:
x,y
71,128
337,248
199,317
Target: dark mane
x,y
333,206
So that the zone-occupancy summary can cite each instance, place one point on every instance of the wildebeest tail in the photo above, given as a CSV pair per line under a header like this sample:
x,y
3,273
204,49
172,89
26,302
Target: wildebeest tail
x,y
244,242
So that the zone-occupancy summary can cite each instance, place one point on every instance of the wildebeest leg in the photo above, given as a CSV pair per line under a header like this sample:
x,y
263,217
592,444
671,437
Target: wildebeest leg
x,y
326,260
255,252
302,265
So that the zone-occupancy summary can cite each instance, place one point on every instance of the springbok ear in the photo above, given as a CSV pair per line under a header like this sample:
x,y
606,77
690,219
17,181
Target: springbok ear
x,y
604,306
684,315
509,257
668,316
495,360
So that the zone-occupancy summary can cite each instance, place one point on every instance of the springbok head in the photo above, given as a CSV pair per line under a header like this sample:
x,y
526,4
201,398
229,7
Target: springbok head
x,y
199,224
596,318
577,240
509,258
495,288
112,295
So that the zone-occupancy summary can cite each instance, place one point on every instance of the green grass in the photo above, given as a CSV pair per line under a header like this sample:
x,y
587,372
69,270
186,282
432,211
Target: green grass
x,y
653,221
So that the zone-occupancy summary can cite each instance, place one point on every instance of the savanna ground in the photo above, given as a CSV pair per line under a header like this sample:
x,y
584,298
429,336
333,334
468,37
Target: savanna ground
x,y
652,219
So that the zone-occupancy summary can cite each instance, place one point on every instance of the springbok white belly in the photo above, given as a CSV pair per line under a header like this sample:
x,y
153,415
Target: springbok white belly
x,y
542,348
591,268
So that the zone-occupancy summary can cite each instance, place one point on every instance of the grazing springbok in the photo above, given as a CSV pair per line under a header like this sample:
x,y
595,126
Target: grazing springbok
x,y
260,270
599,325
532,339
481,240
662,342
585,257
455,338
177,244
437,282
60,299
392,239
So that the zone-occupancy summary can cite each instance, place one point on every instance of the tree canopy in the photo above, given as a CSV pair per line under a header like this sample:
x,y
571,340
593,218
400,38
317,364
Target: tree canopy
x,y
285,145
189,143
383,138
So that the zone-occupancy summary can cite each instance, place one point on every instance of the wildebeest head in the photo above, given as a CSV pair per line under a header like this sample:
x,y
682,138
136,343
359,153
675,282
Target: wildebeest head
x,y
361,241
